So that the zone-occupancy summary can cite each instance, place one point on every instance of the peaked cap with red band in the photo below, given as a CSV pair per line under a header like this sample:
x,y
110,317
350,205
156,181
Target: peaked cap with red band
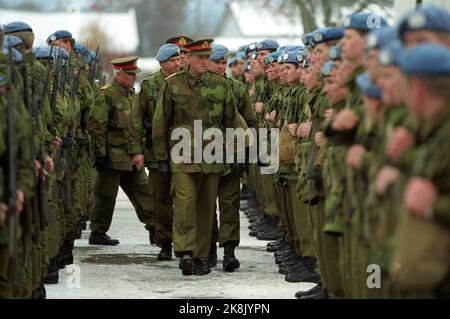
x,y
200,47
126,64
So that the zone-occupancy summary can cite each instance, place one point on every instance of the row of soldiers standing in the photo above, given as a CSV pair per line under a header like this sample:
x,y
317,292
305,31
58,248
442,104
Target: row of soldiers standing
x,y
359,204
47,176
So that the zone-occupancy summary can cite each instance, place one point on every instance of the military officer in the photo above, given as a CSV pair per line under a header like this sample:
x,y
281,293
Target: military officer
x,y
109,126
194,94
181,41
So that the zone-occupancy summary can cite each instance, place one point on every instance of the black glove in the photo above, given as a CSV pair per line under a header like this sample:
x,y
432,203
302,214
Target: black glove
x,y
237,169
100,162
164,170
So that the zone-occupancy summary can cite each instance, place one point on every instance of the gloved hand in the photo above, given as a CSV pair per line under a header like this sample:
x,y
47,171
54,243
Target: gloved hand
x,y
237,169
100,162
164,170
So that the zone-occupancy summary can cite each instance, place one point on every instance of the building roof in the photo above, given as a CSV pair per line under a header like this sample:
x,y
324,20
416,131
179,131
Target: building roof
x,y
120,27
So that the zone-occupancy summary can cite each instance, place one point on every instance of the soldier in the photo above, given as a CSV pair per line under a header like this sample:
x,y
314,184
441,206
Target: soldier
x,y
192,94
229,184
142,119
181,42
420,258
109,126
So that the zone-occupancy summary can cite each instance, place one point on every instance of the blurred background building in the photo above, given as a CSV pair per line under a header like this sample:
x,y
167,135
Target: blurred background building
x,y
141,26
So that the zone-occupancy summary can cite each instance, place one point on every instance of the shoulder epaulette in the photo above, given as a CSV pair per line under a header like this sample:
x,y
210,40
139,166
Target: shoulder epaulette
x,y
174,75
106,86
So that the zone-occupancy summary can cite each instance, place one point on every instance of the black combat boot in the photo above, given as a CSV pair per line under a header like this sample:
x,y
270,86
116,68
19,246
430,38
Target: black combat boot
x,y
102,239
187,265
230,262
151,235
212,257
66,252
52,277
201,267
39,293
78,230
166,251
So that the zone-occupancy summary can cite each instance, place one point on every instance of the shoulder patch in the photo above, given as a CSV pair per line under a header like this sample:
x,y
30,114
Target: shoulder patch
x,y
106,86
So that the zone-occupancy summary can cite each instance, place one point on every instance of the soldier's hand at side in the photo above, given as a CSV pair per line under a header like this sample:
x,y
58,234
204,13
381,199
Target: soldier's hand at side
x,y
328,114
355,155
385,177
318,138
20,199
259,107
304,129
37,166
3,211
138,160
49,164
273,115
292,129
419,196
345,120
400,141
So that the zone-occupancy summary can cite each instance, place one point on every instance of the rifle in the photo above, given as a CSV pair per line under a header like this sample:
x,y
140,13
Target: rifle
x,y
92,67
12,172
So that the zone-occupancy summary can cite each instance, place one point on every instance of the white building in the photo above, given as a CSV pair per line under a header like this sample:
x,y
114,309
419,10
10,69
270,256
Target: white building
x,y
246,22
120,27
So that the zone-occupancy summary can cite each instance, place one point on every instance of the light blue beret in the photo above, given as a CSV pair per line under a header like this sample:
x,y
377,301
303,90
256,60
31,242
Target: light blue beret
x,y
323,35
17,26
391,54
58,35
426,59
367,87
12,40
219,52
267,44
335,53
425,17
167,51
378,38
364,21
42,53
325,71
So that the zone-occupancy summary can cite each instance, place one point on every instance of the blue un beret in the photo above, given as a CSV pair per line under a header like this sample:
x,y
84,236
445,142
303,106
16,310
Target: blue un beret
x,y
59,52
391,54
379,38
425,17
251,48
240,56
426,59
308,39
12,40
367,86
167,51
58,35
17,26
335,53
273,57
267,44
219,52
16,55
42,53
323,35
325,71
284,54
364,21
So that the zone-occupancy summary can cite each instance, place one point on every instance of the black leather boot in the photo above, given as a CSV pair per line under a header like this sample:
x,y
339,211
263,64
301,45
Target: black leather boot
x,y
230,262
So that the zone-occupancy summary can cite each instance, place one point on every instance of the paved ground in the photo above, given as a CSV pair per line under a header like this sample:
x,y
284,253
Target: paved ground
x,y
130,270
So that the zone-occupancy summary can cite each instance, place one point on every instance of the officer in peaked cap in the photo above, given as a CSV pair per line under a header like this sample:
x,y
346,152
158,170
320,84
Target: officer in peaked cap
x,y
126,64
181,41
109,125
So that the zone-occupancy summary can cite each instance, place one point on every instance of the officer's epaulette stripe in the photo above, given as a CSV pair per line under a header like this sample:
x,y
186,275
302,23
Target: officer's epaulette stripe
x,y
106,86
175,74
